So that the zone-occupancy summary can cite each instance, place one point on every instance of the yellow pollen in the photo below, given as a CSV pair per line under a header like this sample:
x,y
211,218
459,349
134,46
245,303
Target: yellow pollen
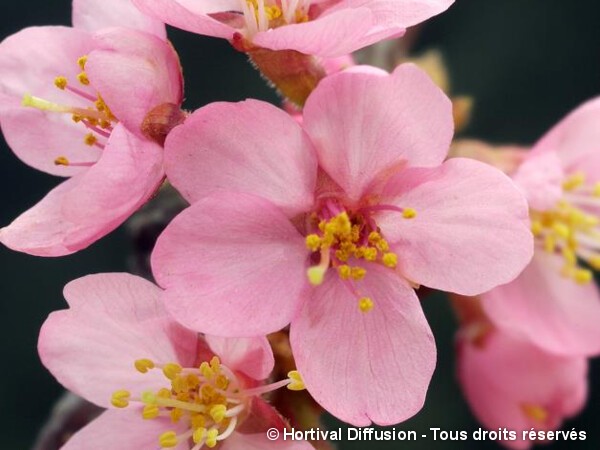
x,y
218,412
211,437
370,253
150,412
536,227
390,260
90,139
365,304
409,213
273,12
358,273
61,83
594,262
535,412
120,399
83,79
199,435
168,439
344,271
61,161
171,370
574,181
81,62
296,381
313,242
583,276
596,190
143,365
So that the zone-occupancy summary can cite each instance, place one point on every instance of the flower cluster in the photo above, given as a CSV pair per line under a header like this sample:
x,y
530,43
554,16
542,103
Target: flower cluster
x,y
318,221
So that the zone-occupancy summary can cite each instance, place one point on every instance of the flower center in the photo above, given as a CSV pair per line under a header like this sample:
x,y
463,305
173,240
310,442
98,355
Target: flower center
x,y
347,242
209,401
261,15
97,117
572,229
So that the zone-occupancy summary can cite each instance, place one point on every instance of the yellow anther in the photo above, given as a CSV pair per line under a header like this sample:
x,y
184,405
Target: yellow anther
x,y
221,382
358,273
171,370
382,245
90,139
168,439
369,253
365,304
83,79
409,213
215,364
218,412
76,118
150,412
143,365
390,260
535,412
583,276
561,230
206,371
316,275
374,237
61,83
179,384
273,12
199,435
596,190
120,399
313,242
211,437
574,181
207,391
342,221
344,271
176,415
163,393
296,381
536,227
61,161
198,421
82,61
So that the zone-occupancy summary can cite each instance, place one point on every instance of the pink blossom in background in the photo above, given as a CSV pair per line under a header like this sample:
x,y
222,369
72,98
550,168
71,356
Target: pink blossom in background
x,y
510,383
554,303
73,102
314,27
330,225
162,384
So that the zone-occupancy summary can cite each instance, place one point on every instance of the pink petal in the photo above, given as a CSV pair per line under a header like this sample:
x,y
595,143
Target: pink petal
x,y
547,309
330,35
576,139
239,441
134,72
367,125
188,17
540,178
90,205
364,367
96,15
471,232
232,265
252,356
251,147
113,320
504,374
30,60
122,430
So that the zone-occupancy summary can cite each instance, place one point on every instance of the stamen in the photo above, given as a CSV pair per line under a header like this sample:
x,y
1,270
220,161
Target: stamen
x,y
535,412
365,304
60,83
168,439
120,399
63,161
296,381
83,79
81,62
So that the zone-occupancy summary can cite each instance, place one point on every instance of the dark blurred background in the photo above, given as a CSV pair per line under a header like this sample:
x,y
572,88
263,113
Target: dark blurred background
x,y
526,63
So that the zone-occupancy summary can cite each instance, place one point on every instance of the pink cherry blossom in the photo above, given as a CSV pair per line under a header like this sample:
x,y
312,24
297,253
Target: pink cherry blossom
x,y
554,302
73,104
510,383
330,225
314,27
163,385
